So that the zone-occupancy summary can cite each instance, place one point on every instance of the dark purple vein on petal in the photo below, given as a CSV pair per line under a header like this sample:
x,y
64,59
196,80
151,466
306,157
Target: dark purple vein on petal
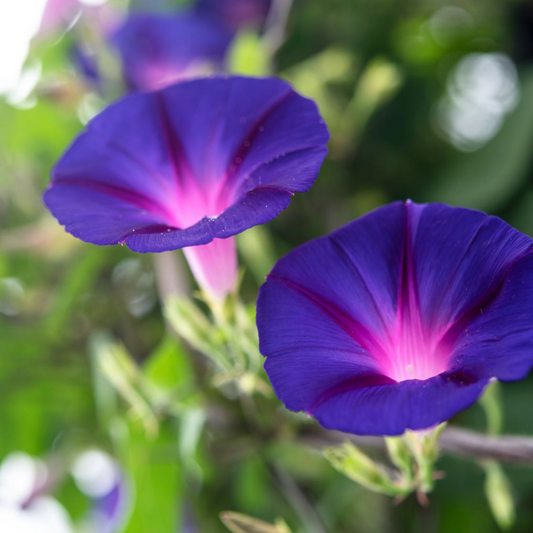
x,y
135,198
436,306
407,298
342,248
139,162
173,144
216,130
348,324
460,324
351,384
257,168
237,159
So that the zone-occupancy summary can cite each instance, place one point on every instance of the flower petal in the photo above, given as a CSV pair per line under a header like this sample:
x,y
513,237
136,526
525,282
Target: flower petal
x,y
182,166
356,270
390,409
498,342
235,13
214,265
441,294
158,49
460,257
309,350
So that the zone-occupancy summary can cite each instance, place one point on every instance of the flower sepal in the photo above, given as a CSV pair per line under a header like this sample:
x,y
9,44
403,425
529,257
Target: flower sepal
x,y
223,331
424,449
413,455
359,467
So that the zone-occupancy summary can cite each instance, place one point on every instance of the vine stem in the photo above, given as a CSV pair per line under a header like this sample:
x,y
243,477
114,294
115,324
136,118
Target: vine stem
x,y
453,441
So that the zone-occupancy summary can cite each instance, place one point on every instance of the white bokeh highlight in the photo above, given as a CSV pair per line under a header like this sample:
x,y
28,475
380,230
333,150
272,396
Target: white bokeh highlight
x,y
19,22
95,473
22,508
481,91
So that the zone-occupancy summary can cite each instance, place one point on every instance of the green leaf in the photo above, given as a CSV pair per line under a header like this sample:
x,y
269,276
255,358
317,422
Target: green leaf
x,y
313,79
168,366
491,402
379,81
499,495
240,523
115,364
248,56
43,131
256,247
80,277
191,426
105,394
157,477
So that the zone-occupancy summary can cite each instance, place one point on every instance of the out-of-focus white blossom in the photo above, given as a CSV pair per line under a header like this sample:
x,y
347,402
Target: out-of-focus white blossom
x,y
23,509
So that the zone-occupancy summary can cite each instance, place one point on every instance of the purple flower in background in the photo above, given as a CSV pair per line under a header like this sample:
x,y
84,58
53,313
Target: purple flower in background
x,y
192,164
159,49
87,64
236,13
399,319
99,476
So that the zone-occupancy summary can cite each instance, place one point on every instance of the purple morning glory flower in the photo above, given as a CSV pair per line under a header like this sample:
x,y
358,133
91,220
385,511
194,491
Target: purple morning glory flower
x,y
192,164
101,478
159,49
87,64
399,319
236,13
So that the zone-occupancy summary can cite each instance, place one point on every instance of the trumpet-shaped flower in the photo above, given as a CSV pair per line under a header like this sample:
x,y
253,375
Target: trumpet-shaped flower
x,y
399,319
157,49
102,480
236,13
192,164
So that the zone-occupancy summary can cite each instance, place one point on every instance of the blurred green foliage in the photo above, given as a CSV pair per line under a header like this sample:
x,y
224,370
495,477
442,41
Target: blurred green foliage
x,y
86,359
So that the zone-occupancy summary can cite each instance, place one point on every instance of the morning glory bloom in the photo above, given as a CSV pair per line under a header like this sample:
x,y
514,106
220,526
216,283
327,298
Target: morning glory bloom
x,y
400,319
236,13
157,49
87,64
26,506
100,477
191,164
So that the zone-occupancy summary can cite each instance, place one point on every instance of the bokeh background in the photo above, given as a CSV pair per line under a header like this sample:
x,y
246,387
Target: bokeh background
x,y
430,100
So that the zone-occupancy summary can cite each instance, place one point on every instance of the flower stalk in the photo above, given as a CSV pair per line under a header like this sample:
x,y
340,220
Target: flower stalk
x,y
424,449
225,333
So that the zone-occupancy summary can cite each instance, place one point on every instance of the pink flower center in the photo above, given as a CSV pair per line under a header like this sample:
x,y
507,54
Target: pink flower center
x,y
214,265
195,200
412,350
413,354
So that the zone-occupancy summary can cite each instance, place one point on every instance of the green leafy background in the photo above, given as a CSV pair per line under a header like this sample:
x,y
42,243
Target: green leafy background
x,y
67,309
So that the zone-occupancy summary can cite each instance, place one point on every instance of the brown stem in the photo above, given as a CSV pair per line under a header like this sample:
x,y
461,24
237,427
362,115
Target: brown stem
x,y
453,441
